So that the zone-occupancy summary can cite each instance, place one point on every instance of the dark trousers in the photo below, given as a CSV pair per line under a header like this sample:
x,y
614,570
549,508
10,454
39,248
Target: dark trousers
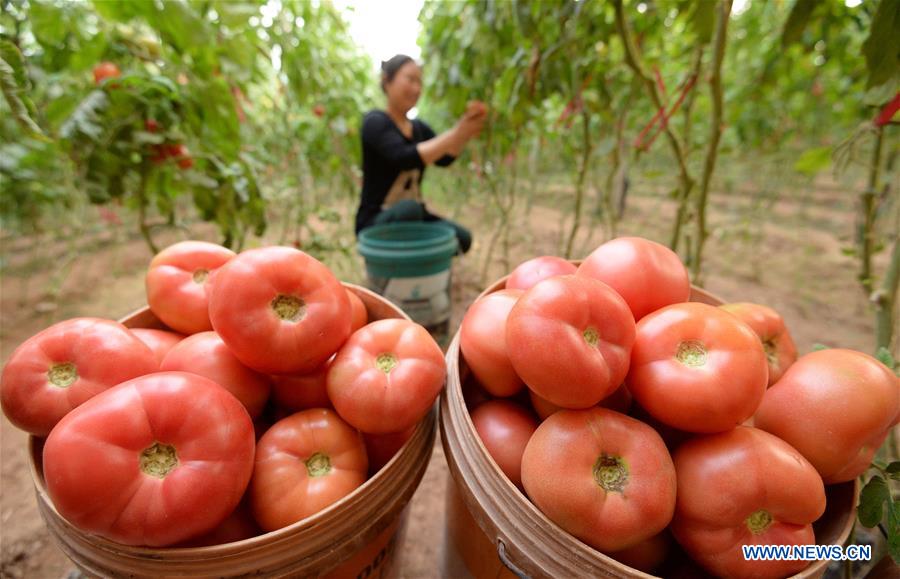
x,y
411,210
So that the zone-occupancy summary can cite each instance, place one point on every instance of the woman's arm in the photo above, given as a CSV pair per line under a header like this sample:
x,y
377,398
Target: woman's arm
x,y
452,142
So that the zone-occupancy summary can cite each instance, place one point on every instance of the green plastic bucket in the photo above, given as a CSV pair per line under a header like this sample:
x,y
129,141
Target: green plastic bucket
x,y
409,264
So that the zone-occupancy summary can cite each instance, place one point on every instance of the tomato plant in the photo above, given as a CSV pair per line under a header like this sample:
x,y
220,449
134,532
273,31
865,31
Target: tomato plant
x,y
148,462
64,366
106,70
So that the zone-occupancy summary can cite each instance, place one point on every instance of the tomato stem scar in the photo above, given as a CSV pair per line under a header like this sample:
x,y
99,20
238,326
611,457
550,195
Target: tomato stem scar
x,y
62,375
592,337
158,460
200,275
759,522
691,353
289,308
318,465
611,473
386,362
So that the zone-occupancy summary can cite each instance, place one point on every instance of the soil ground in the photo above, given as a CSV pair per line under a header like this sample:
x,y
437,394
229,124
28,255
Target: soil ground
x,y
784,251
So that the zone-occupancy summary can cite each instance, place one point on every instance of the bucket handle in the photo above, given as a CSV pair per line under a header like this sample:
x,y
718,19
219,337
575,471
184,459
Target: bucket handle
x,y
504,558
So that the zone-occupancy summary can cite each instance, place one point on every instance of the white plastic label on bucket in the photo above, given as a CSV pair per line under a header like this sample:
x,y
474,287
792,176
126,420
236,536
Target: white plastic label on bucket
x,y
425,299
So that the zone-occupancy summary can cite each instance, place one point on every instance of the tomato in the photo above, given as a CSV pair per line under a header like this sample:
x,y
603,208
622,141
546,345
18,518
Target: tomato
x,y
151,126
302,391
505,429
836,407
648,275
744,487
387,376
569,338
359,316
106,70
697,368
237,526
207,355
482,340
776,339
528,273
279,310
648,555
176,284
304,463
160,341
63,366
619,400
381,448
154,461
602,476
319,110
186,162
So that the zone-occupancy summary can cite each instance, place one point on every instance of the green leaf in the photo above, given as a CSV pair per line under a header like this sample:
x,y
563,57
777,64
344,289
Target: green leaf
x,y
893,531
14,82
879,95
893,470
813,161
797,21
885,357
819,347
85,119
881,47
871,501
703,21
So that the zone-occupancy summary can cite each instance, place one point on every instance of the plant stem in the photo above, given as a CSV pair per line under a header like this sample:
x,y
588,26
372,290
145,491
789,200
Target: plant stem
x,y
715,84
885,300
142,212
867,236
632,58
582,174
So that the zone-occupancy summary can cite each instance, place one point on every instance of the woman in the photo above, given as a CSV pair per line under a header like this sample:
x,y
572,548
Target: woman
x,y
396,151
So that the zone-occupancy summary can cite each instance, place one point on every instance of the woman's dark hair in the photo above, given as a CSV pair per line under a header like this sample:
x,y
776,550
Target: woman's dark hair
x,y
390,67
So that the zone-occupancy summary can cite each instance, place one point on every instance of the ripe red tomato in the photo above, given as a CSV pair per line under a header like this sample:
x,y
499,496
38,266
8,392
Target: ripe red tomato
x,y
279,310
151,126
359,317
63,366
106,70
387,376
177,284
304,463
602,476
319,110
381,448
237,526
482,339
154,461
744,487
569,338
207,355
619,400
836,407
528,273
648,555
505,429
186,162
697,368
648,275
297,392
159,341
776,339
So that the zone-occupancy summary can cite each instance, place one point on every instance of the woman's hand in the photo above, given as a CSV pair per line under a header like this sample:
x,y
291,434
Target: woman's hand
x,y
471,123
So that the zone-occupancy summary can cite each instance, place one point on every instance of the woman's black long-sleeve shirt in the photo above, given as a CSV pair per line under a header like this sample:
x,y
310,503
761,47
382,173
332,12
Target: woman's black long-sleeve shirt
x,y
392,167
